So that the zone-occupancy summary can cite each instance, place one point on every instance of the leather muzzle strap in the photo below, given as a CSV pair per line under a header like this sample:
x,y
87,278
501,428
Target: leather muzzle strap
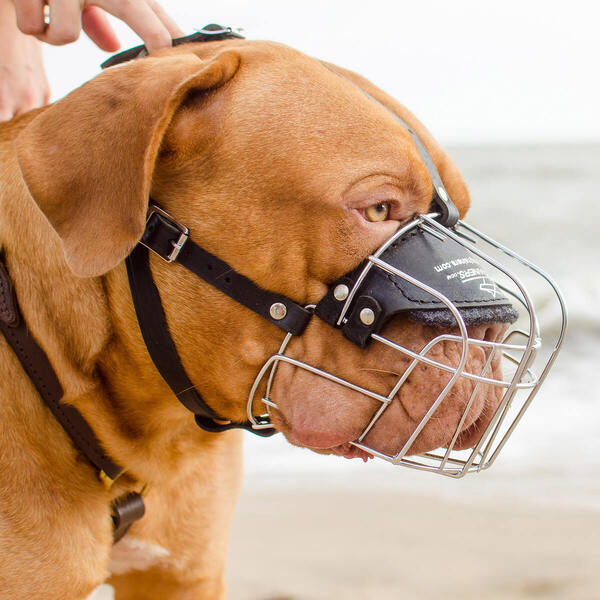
x,y
125,510
163,234
162,350
169,240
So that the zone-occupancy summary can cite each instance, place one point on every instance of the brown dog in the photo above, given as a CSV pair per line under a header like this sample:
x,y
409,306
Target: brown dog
x,y
273,161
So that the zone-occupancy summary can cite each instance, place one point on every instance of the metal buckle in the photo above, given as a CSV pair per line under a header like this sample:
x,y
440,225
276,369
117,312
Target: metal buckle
x,y
236,31
184,233
220,31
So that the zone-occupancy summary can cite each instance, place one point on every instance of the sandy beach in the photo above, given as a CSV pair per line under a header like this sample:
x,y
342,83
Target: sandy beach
x,y
308,545
394,545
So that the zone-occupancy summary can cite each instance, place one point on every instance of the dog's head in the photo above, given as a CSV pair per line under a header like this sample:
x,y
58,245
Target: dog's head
x,y
292,175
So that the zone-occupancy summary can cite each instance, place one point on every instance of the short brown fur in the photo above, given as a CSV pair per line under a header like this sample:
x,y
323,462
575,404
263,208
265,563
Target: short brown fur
x,y
236,140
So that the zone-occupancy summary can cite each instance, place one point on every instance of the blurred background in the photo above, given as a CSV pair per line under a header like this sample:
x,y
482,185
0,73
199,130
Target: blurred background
x,y
511,90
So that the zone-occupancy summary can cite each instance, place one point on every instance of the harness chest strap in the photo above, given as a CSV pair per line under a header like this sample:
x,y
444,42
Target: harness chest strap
x,y
125,509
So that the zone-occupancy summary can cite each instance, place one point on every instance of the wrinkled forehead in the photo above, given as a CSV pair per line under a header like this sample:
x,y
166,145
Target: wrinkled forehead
x,y
289,92
284,107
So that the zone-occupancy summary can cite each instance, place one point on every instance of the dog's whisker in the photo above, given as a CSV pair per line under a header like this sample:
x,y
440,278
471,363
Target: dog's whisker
x,y
385,371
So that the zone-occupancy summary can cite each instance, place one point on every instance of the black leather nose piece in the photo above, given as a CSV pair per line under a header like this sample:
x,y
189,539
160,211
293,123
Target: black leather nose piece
x,y
434,262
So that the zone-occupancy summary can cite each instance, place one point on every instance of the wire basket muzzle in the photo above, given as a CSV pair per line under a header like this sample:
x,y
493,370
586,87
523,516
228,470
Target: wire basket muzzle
x,y
442,278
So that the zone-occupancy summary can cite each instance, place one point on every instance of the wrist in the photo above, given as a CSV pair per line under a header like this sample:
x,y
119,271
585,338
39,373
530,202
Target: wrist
x,y
8,16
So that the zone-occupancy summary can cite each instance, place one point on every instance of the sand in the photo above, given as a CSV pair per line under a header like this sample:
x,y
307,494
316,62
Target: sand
x,y
307,545
391,545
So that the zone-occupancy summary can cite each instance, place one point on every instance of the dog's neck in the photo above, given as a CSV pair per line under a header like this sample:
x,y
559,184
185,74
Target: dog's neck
x,y
89,330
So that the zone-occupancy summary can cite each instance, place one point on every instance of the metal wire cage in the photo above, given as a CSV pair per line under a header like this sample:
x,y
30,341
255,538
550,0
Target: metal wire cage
x,y
526,356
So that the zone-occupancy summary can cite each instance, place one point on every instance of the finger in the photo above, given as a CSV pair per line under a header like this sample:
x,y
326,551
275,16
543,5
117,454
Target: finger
x,y
26,107
30,16
65,22
142,19
5,113
98,29
166,19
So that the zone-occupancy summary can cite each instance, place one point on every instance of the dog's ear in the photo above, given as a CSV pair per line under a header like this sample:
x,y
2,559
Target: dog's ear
x,y
88,159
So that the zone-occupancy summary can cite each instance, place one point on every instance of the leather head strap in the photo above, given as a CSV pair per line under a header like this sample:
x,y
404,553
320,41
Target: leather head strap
x,y
209,33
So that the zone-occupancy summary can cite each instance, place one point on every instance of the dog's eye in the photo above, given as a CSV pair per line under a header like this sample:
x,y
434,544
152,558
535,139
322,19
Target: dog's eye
x,y
377,212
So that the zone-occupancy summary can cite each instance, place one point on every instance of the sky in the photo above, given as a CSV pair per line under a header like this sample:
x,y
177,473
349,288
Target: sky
x,y
473,71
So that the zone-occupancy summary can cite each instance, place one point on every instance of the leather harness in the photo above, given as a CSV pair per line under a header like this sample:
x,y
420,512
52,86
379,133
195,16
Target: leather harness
x,y
170,241
129,507
126,508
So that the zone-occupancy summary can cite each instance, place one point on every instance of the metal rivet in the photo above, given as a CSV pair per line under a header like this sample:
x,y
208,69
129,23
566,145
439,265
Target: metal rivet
x,y
367,316
341,292
442,194
278,311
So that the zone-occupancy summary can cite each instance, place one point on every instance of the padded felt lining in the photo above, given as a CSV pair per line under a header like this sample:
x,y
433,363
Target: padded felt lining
x,y
442,317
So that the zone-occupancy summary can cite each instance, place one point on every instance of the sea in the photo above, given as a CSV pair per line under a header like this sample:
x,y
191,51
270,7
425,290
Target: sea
x,y
542,201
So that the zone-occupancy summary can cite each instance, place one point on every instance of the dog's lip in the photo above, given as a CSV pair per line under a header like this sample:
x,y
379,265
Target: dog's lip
x,y
347,450
467,438
470,435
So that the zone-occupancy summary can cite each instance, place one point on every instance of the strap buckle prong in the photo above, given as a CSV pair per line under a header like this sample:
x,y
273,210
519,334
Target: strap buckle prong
x,y
184,233
177,246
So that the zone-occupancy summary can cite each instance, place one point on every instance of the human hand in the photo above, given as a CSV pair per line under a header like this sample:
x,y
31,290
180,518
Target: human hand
x,y
67,17
23,83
